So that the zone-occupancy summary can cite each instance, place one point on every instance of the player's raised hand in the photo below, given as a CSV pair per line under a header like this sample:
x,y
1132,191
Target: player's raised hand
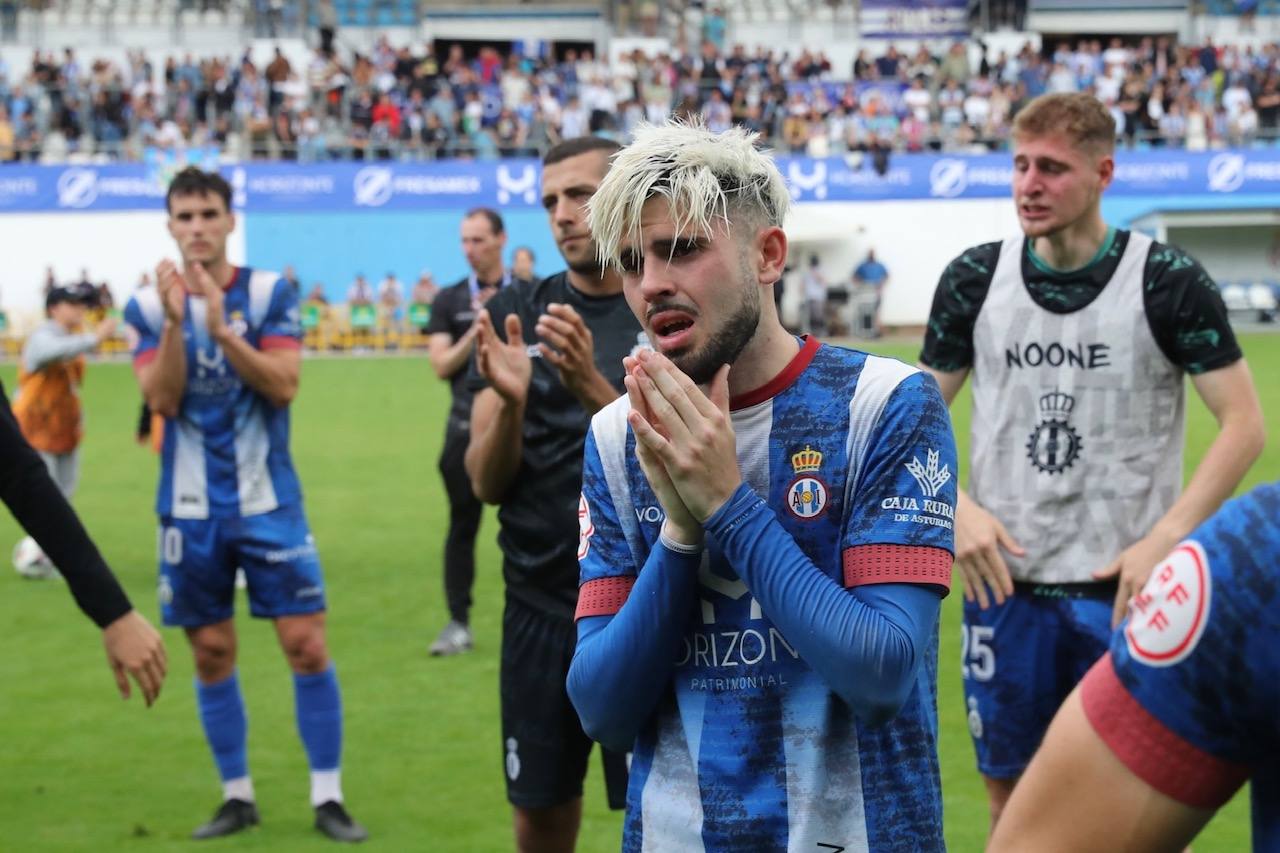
x,y
1132,569
173,296
568,344
698,452
203,284
134,648
504,364
106,329
680,523
980,537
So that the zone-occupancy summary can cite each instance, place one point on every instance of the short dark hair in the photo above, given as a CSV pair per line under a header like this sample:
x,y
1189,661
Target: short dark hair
x,y
579,145
495,218
195,181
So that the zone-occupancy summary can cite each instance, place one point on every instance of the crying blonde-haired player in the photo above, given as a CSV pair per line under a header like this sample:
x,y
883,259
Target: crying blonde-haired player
x,y
765,535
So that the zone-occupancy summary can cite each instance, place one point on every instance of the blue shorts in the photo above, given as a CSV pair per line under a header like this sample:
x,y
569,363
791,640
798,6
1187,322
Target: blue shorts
x,y
1019,662
199,558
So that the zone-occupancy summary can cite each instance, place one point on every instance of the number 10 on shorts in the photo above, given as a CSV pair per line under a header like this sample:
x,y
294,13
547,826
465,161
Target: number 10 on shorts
x,y
977,657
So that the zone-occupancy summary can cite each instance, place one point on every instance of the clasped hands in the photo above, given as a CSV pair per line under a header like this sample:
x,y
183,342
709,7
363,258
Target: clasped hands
x,y
684,441
173,285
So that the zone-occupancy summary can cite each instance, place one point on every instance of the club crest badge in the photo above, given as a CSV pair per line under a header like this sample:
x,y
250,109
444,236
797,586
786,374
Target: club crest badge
x,y
1054,444
807,495
974,718
238,325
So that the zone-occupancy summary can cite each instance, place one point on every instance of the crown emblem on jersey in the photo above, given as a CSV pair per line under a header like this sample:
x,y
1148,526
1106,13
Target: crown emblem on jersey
x,y
1057,405
806,460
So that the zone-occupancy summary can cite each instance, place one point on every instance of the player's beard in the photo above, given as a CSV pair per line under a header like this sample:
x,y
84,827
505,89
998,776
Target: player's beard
x,y
727,342
585,263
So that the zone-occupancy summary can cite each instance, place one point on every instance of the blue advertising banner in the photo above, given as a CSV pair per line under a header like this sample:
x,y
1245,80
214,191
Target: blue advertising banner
x,y
924,176
275,187
892,19
452,185
279,187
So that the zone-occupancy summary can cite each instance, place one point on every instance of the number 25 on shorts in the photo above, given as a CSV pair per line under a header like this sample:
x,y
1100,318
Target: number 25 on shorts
x,y
977,657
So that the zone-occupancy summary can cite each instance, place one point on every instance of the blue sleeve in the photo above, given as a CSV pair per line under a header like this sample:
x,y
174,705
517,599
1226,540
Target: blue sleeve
x,y
282,325
145,339
1197,650
630,619
603,551
622,663
905,492
867,643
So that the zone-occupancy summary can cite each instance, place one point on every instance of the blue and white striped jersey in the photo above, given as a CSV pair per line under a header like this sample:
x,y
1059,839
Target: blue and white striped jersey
x,y
226,454
750,749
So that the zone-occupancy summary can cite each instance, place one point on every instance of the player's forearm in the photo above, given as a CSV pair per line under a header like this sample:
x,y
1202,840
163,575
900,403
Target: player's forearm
x,y
273,378
43,350
40,508
866,643
494,453
1238,444
449,360
595,393
965,502
622,663
164,380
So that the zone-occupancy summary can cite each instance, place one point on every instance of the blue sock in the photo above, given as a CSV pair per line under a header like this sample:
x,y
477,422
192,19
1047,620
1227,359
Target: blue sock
x,y
225,725
319,710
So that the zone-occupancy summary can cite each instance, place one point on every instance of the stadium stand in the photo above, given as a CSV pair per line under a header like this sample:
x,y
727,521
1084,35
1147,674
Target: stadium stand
x,y
459,98
108,93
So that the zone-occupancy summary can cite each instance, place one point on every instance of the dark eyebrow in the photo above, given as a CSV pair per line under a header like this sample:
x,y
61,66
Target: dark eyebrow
x,y
629,259
1043,159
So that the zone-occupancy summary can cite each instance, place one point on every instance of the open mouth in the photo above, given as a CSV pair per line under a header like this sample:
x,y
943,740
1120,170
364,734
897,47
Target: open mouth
x,y
671,329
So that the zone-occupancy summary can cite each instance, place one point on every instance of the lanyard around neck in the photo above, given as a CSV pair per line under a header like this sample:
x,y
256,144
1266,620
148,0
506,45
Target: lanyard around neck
x,y
473,284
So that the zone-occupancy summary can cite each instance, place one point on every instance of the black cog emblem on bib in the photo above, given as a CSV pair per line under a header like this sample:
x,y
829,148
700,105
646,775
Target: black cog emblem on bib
x,y
1054,444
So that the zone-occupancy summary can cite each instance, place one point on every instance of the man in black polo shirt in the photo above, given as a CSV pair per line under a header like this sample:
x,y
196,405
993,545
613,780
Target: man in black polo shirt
x,y
452,332
548,356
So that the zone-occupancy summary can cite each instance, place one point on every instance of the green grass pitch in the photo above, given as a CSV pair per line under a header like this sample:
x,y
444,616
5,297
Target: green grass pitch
x,y
82,771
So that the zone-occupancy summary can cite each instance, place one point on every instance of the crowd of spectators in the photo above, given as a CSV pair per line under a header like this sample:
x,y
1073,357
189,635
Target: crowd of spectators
x,y
411,103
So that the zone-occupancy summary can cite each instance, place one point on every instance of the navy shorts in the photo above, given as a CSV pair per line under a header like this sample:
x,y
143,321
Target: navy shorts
x,y
199,558
1021,659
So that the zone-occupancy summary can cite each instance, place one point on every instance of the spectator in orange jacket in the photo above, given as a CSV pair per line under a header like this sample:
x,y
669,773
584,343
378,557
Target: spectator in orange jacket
x,y
47,404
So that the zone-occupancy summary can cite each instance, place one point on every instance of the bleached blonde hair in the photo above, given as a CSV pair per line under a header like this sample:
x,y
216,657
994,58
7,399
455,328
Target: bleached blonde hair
x,y
704,176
